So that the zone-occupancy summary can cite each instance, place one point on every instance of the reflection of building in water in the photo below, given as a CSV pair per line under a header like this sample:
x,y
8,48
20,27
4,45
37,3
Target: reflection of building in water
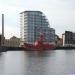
x,y
68,38
12,42
32,23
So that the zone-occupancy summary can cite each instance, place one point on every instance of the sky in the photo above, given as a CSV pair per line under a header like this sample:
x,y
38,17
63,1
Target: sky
x,y
60,14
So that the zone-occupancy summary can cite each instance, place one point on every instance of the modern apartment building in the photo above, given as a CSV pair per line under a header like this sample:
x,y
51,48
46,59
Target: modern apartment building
x,y
32,24
68,38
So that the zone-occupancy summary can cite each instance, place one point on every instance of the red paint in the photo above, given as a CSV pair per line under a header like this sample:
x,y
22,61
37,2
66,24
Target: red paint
x,y
39,45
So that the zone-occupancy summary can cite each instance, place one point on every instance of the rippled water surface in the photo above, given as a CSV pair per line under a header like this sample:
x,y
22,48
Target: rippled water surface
x,y
58,62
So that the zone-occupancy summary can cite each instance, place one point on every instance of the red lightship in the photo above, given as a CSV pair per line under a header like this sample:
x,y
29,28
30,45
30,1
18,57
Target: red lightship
x,y
39,45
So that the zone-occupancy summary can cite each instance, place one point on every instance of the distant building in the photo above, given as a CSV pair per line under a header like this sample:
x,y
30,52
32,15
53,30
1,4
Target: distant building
x,y
2,40
73,38
12,42
59,41
68,38
32,23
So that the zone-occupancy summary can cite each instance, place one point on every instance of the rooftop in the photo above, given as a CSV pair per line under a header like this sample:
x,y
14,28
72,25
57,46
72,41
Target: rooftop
x,y
31,11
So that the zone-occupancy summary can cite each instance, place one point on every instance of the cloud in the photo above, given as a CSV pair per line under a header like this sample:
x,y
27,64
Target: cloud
x,y
11,31
60,13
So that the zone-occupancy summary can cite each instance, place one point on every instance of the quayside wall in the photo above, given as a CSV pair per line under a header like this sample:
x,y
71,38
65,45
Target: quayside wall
x,y
4,49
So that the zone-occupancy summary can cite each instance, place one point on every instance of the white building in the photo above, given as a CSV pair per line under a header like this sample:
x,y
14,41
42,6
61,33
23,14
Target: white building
x,y
32,24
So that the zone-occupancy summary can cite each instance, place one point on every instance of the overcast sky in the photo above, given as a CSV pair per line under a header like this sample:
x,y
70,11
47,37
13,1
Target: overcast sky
x,y
60,13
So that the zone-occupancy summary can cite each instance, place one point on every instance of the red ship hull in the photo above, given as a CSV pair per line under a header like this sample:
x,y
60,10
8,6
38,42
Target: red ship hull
x,y
38,46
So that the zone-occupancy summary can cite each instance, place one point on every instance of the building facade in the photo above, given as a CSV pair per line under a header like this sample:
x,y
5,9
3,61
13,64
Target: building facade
x,y
68,38
2,40
12,42
32,24
58,41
